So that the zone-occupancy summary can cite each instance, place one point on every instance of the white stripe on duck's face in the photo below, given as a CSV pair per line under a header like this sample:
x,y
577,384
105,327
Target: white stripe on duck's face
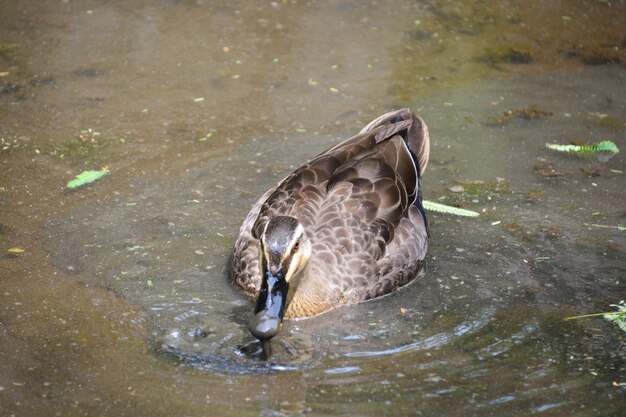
x,y
284,245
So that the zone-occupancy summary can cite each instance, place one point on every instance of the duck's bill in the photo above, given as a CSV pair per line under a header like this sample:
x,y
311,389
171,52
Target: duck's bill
x,y
270,307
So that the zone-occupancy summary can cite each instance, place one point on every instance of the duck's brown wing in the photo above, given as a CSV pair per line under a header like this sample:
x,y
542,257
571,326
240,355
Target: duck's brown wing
x,y
374,198
370,155
371,178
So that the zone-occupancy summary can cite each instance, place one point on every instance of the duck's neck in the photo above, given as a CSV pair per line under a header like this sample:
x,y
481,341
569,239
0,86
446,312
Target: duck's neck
x,y
310,297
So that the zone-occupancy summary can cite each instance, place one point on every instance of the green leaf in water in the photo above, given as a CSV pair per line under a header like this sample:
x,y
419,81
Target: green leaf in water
x,y
442,208
620,228
86,177
206,137
619,317
616,317
606,146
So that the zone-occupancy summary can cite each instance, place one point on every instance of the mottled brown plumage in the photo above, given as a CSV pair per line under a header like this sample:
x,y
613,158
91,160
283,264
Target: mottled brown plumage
x,y
359,204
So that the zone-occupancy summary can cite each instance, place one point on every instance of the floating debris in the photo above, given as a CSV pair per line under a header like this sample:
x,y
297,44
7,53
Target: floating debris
x,y
592,172
456,189
467,191
205,137
10,88
39,82
531,112
442,208
616,317
9,145
547,170
534,196
605,121
619,317
515,56
606,146
90,146
88,72
600,59
620,228
87,177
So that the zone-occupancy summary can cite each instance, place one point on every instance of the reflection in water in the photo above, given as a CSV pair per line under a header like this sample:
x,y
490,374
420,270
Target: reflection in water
x,y
119,303
342,370
431,342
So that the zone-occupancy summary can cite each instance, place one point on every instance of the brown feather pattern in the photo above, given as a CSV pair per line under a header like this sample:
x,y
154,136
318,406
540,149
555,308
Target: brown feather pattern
x,y
356,204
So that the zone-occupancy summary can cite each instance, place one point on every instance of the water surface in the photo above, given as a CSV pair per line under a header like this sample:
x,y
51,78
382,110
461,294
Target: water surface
x,y
120,303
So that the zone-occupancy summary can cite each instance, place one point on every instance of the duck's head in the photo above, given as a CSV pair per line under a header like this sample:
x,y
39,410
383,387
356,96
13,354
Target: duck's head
x,y
284,251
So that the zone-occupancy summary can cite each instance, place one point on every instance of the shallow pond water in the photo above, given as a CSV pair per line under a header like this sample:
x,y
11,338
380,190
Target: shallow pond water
x,y
120,304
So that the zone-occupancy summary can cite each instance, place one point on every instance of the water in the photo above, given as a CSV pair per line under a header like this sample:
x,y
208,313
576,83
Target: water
x,y
120,303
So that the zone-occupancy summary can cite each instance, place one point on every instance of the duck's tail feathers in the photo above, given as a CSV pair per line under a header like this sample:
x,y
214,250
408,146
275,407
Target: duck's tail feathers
x,y
417,137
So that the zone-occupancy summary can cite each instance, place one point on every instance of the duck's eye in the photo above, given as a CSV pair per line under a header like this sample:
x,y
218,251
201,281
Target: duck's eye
x,y
296,246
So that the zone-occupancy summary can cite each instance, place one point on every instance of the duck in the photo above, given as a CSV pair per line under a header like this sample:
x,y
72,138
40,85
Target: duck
x,y
344,228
